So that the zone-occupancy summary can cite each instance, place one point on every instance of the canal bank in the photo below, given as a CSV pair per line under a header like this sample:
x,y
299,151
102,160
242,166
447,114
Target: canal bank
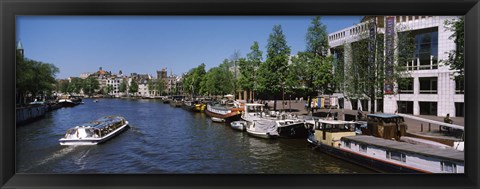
x,y
30,113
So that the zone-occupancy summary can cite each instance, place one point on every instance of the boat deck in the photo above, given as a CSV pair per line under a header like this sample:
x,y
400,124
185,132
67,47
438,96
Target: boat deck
x,y
413,148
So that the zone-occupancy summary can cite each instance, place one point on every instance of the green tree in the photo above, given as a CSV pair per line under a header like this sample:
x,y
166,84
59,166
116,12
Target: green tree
x,y
225,76
218,80
160,86
151,85
193,79
272,73
34,77
312,69
366,78
90,85
109,89
248,68
63,86
133,87
123,86
456,57
76,85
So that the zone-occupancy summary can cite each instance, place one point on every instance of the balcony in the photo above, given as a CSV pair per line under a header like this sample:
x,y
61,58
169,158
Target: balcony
x,y
416,64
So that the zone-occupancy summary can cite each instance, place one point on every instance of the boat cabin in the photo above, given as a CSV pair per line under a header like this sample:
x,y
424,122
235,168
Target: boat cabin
x,y
329,132
95,129
387,126
403,155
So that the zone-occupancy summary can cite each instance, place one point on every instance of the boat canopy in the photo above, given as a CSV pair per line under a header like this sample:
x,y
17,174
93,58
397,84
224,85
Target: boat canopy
x,y
104,122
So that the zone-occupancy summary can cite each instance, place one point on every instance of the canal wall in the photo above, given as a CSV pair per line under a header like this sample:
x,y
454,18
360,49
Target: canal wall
x,y
28,114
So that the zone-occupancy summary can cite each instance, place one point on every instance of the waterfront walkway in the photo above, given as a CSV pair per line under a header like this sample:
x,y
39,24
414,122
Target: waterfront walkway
x,y
414,126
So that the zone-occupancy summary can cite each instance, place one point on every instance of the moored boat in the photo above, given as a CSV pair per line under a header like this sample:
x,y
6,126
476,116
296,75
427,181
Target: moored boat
x,y
238,125
218,120
227,113
292,127
70,102
194,106
95,132
177,101
339,139
256,122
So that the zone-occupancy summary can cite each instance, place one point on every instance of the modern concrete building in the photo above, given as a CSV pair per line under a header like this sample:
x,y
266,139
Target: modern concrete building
x,y
430,88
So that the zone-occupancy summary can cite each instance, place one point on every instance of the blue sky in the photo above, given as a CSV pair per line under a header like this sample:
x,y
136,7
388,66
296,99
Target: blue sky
x,y
141,44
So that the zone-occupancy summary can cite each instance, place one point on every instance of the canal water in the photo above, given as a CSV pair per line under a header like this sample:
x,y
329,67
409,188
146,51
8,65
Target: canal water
x,y
162,139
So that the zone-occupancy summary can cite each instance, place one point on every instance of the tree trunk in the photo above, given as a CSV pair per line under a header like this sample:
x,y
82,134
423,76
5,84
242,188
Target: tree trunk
x,y
372,100
275,103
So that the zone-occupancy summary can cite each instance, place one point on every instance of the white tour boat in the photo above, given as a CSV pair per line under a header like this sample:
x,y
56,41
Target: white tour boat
x,y
94,132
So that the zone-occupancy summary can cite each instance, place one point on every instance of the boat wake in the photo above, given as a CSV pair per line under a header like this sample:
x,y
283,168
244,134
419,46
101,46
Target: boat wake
x,y
58,154
80,161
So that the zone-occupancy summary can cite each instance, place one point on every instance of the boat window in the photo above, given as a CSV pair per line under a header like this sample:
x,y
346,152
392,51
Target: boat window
x,y
448,167
348,144
396,156
363,148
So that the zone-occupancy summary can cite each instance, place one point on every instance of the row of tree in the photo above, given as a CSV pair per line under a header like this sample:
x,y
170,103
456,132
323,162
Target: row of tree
x,y
316,71
309,72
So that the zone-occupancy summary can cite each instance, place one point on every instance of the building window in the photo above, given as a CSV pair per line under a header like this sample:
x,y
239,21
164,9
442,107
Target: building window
x,y
459,109
426,49
363,148
448,167
364,103
405,107
354,104
459,87
379,105
398,156
428,108
428,85
405,86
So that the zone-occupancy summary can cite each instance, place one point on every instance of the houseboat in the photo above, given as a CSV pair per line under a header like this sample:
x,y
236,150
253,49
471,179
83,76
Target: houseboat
x,y
226,112
177,101
70,101
166,99
384,154
94,132
194,106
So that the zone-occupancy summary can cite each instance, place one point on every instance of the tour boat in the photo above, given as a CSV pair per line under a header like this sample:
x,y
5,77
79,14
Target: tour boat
x,y
239,125
339,139
95,132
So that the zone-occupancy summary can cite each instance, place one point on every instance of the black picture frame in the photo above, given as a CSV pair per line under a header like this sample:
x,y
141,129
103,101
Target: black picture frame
x,y
9,9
